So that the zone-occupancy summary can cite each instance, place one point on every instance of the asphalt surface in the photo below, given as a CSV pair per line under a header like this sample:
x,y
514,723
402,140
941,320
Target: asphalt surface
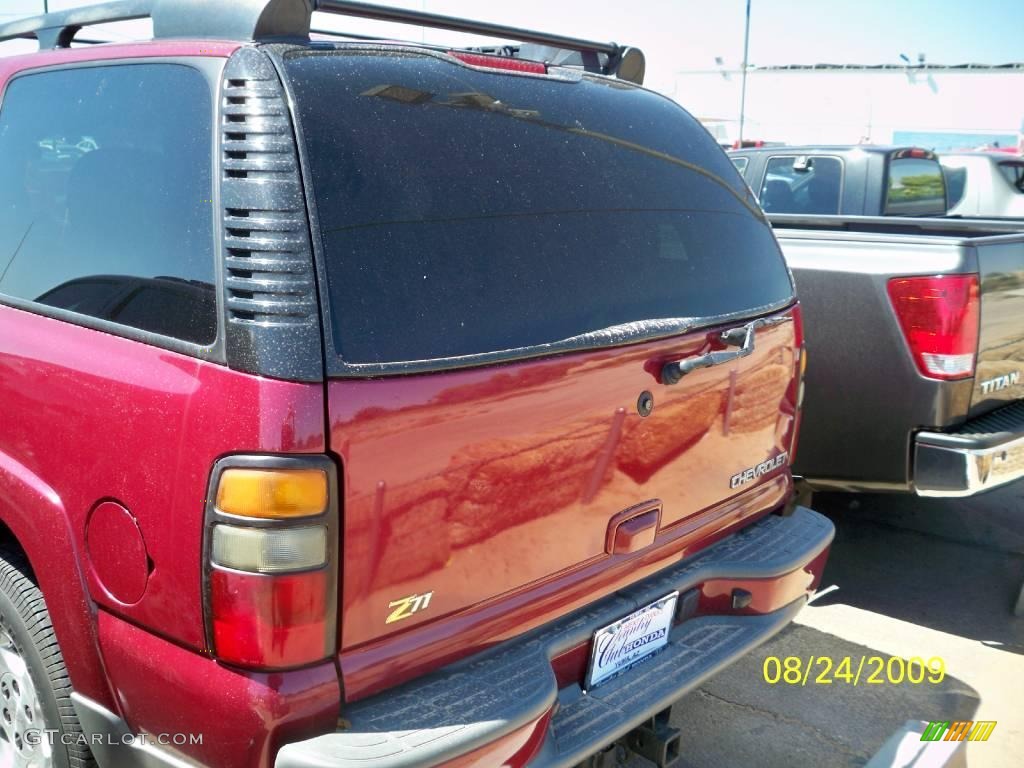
x,y
915,578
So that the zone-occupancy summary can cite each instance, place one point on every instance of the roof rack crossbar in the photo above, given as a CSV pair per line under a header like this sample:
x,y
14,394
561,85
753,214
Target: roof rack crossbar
x,y
348,35
625,63
288,19
80,40
57,29
456,24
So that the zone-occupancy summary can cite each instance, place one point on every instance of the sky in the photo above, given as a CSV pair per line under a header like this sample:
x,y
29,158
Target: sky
x,y
687,35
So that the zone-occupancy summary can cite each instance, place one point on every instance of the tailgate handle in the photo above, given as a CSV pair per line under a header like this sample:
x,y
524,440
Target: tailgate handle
x,y
633,529
742,337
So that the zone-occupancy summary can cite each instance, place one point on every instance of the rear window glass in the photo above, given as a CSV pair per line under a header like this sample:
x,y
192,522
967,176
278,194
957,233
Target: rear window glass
x,y
956,183
466,212
916,188
1014,174
801,184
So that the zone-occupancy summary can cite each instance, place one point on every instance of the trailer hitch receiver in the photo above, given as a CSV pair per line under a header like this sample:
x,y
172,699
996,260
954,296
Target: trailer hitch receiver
x,y
657,741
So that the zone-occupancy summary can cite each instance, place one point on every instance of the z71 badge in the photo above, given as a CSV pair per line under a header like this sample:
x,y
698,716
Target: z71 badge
x,y
407,606
744,477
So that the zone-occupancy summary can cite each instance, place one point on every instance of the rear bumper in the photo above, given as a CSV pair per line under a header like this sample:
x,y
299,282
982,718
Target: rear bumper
x,y
983,454
504,707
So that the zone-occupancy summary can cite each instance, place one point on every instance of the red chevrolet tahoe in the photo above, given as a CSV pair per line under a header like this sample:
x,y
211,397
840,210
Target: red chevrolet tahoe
x,y
367,403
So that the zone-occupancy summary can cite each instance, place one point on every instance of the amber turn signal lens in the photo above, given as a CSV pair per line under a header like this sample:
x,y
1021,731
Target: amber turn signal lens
x,y
272,493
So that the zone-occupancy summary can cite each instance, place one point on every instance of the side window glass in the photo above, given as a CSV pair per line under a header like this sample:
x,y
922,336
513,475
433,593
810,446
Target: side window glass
x,y
740,163
105,188
1014,174
802,185
956,182
916,187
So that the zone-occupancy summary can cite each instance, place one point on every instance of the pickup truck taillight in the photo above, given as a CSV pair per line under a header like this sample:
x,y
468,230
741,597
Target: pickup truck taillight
x,y
270,569
939,318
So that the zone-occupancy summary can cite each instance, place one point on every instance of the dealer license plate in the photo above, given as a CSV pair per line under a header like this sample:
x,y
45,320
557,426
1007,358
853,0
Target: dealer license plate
x,y
630,640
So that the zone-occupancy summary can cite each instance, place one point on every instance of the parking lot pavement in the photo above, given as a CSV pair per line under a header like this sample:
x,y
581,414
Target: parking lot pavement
x,y
900,593
993,520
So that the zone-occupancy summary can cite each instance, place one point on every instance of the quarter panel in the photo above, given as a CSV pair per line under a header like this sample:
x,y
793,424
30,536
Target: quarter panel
x,y
34,513
1000,369
243,717
863,395
95,417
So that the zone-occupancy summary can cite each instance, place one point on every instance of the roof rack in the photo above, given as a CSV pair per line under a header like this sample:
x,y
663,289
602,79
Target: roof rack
x,y
58,29
79,40
264,20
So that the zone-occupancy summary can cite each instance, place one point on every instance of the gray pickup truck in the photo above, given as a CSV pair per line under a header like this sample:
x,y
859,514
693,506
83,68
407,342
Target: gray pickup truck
x,y
915,338
848,180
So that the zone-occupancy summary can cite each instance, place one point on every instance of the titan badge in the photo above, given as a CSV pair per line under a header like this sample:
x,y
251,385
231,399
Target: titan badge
x,y
1000,382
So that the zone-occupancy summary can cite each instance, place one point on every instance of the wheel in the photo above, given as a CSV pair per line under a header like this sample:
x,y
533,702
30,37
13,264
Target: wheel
x,y
35,692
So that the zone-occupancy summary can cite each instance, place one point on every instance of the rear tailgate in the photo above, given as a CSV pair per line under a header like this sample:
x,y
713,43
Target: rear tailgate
x,y
1000,369
507,262
473,484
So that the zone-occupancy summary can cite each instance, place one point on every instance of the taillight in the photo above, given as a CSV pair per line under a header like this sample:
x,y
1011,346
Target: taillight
x,y
939,318
270,567
500,62
913,152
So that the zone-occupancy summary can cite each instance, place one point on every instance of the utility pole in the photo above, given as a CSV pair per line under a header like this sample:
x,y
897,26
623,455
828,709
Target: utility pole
x,y
743,76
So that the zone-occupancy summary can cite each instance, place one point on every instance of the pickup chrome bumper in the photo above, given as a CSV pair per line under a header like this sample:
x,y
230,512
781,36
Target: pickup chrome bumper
x,y
483,701
982,454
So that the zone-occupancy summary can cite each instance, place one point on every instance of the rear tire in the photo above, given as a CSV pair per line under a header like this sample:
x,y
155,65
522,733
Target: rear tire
x,y
35,691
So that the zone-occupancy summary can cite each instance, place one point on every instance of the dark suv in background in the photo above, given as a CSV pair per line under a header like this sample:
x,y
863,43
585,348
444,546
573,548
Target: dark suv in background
x,y
377,403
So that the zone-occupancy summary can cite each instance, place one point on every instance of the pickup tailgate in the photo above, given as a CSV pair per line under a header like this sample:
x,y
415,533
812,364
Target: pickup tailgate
x,y
508,260
999,378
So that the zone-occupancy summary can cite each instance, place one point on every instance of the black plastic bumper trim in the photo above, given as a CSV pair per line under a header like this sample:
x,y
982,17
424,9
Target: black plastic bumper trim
x,y
472,703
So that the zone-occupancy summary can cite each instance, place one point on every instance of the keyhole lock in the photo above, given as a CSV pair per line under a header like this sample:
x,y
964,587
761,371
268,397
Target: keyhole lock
x,y
645,403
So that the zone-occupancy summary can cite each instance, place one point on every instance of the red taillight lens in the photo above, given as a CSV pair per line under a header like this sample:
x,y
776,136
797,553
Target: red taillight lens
x,y
939,319
501,62
271,621
912,152
271,561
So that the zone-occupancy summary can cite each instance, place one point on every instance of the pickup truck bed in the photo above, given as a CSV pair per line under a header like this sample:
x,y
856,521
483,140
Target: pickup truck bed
x,y
872,421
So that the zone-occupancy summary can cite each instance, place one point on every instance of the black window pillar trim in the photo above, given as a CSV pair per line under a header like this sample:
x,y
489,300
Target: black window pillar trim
x,y
271,311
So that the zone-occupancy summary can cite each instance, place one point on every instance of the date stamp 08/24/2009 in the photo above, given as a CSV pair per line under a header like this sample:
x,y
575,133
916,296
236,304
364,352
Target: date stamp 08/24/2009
x,y
850,670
